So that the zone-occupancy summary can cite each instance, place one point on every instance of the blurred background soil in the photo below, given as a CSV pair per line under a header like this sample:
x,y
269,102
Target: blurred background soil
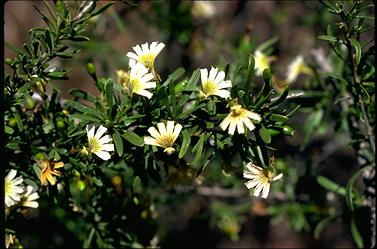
x,y
294,22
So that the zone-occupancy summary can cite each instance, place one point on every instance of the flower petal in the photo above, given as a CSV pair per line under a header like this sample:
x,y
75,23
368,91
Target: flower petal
x,y
204,75
224,124
90,131
161,128
177,130
212,74
223,93
219,78
105,139
266,190
154,133
107,147
224,84
151,141
103,155
145,93
101,130
170,126
240,128
12,173
232,127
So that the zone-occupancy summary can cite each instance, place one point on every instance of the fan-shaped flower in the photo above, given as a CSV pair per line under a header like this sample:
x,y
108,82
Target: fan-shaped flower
x,y
165,136
145,54
260,179
98,144
296,67
262,62
237,117
29,197
213,83
13,188
48,171
137,80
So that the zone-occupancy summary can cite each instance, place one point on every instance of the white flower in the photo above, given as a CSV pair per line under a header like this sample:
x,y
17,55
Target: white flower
x,y
145,54
28,198
213,83
203,9
137,80
262,62
165,136
13,188
98,144
9,239
237,117
260,179
296,67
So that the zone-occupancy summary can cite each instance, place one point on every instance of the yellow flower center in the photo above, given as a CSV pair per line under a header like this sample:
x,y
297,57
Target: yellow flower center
x,y
167,140
266,176
133,86
237,111
94,145
209,88
147,60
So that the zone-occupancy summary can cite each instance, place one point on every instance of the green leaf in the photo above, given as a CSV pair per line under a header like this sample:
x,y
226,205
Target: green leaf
x,y
177,73
58,75
278,118
109,91
37,170
19,121
48,40
118,143
356,234
79,38
356,45
84,109
330,185
81,94
323,223
311,124
101,9
349,187
88,241
198,148
85,117
282,97
184,114
13,48
264,135
133,138
191,84
267,43
137,185
8,130
185,143
328,38
97,181
172,99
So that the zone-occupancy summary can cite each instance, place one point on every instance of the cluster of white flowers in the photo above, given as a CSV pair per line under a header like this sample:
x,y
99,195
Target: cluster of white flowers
x,y
16,193
138,79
